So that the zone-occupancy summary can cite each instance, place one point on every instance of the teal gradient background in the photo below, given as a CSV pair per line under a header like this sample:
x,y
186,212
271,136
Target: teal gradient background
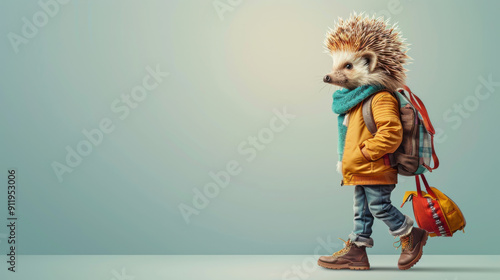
x,y
226,78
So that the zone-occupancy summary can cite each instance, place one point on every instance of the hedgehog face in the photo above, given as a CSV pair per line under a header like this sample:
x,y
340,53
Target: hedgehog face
x,y
366,51
351,70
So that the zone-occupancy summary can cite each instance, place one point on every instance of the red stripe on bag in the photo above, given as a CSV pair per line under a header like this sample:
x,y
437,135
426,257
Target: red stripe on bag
x,y
433,209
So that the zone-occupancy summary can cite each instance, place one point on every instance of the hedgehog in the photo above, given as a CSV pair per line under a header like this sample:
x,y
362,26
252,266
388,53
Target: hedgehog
x,y
366,51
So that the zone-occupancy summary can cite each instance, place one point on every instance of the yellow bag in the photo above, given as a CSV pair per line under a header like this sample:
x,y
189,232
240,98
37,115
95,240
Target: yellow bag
x,y
434,211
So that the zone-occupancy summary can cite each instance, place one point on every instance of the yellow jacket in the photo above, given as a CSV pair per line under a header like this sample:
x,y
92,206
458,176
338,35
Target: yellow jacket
x,y
363,161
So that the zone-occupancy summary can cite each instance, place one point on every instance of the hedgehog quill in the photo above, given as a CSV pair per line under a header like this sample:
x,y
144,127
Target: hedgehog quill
x,y
368,59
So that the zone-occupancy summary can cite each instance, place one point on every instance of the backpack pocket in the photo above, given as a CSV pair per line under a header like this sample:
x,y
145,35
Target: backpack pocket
x,y
409,121
407,164
407,156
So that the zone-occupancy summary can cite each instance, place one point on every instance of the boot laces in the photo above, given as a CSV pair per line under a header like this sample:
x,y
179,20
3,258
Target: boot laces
x,y
343,251
405,242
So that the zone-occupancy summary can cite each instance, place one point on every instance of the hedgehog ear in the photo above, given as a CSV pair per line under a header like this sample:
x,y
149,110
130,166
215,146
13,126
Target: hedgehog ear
x,y
371,59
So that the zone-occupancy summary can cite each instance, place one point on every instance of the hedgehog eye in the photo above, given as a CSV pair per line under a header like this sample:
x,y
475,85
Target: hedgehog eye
x,y
348,66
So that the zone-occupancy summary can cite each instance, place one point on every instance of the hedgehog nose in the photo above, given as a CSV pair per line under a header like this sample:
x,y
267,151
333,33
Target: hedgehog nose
x,y
327,79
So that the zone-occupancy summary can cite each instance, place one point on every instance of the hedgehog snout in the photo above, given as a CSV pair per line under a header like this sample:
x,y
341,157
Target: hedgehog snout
x,y
335,78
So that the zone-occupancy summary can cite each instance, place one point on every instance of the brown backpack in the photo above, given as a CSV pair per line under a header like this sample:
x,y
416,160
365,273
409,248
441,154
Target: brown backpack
x,y
413,157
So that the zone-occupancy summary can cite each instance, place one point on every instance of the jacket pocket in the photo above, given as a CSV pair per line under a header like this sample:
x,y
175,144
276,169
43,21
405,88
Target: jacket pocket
x,y
359,164
367,159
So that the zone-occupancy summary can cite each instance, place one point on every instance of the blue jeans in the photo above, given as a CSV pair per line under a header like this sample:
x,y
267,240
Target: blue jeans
x,y
375,201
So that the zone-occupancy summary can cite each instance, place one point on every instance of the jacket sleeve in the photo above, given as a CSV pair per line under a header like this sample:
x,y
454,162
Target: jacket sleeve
x,y
389,130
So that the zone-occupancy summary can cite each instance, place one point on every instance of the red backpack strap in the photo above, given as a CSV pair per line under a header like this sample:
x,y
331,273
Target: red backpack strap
x,y
434,156
419,105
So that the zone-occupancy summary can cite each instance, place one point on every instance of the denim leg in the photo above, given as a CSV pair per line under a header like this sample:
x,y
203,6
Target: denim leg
x,y
363,219
379,203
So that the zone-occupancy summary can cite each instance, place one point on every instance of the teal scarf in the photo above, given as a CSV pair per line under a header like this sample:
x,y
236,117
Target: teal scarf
x,y
343,101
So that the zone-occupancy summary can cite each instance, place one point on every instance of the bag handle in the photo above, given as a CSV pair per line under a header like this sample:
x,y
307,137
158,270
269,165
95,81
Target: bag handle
x,y
419,105
427,188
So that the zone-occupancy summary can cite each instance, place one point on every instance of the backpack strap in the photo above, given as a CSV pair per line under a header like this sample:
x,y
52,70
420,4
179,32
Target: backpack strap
x,y
368,115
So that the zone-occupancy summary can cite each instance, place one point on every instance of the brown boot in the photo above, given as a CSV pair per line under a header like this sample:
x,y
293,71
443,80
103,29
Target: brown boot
x,y
350,257
411,247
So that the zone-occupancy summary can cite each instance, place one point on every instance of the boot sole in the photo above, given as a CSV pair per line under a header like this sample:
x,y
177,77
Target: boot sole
x,y
421,251
343,266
